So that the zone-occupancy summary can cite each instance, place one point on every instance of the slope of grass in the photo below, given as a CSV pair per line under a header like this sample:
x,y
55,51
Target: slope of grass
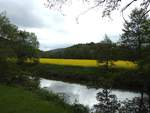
x,y
17,100
87,63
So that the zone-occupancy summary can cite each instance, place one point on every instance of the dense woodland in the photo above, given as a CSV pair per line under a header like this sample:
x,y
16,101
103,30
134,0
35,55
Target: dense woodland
x,y
17,47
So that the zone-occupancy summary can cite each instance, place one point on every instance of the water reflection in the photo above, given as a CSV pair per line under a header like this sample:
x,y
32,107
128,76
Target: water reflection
x,y
81,93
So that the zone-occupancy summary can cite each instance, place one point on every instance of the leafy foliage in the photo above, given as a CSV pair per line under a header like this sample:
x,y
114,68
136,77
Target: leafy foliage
x,y
136,31
16,43
107,102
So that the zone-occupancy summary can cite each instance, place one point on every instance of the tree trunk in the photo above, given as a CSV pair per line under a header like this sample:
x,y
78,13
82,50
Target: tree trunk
x,y
107,64
141,102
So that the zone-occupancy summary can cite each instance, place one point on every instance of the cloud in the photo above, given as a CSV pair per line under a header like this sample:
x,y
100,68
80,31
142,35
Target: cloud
x,y
26,13
21,12
54,30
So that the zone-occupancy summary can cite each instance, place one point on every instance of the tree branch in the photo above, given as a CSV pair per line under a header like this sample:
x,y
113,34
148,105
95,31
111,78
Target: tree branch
x,y
82,13
128,5
124,8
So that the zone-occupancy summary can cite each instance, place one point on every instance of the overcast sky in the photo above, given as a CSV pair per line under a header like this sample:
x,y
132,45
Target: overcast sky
x,y
54,30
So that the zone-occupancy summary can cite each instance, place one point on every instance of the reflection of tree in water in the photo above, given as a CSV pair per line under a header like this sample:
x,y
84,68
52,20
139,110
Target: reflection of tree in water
x,y
108,103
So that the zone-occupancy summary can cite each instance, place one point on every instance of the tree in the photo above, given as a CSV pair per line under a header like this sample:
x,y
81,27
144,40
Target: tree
x,y
105,51
136,31
106,40
26,46
8,33
108,5
107,102
136,35
7,30
133,106
16,43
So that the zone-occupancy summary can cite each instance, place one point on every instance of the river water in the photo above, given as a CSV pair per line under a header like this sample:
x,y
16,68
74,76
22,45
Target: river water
x,y
81,93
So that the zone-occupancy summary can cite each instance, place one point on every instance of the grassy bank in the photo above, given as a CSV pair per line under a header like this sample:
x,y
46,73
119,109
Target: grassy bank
x,y
91,76
18,100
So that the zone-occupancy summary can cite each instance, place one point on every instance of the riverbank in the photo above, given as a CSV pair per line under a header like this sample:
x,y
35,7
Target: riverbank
x,y
91,76
26,76
19,100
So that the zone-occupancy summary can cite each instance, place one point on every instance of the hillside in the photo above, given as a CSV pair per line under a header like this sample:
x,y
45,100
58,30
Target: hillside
x,y
88,51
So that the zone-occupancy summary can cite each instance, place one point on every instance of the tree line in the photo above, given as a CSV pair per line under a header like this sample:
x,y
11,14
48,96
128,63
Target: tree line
x,y
89,51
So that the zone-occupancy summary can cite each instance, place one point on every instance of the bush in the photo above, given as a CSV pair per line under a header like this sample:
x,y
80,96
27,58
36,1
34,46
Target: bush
x,y
79,108
11,74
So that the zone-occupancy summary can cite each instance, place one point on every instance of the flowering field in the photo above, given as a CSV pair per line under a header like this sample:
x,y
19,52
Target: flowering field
x,y
87,63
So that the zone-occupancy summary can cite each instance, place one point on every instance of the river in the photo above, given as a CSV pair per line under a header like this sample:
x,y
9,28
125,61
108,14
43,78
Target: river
x,y
81,93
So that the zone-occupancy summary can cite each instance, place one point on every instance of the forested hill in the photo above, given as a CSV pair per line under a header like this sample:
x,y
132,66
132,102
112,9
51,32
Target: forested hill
x,y
89,51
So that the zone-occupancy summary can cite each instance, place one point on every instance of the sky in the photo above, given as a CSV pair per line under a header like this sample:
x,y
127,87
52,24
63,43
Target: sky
x,y
55,30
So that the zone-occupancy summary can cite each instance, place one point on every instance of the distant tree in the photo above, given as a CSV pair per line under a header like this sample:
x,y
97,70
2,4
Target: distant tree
x,y
106,40
105,51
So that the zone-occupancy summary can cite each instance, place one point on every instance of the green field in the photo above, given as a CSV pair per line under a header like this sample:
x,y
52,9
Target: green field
x,y
87,63
18,100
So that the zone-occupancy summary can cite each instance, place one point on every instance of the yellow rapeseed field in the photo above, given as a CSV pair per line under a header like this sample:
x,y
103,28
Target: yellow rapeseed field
x,y
71,62
86,63
125,64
